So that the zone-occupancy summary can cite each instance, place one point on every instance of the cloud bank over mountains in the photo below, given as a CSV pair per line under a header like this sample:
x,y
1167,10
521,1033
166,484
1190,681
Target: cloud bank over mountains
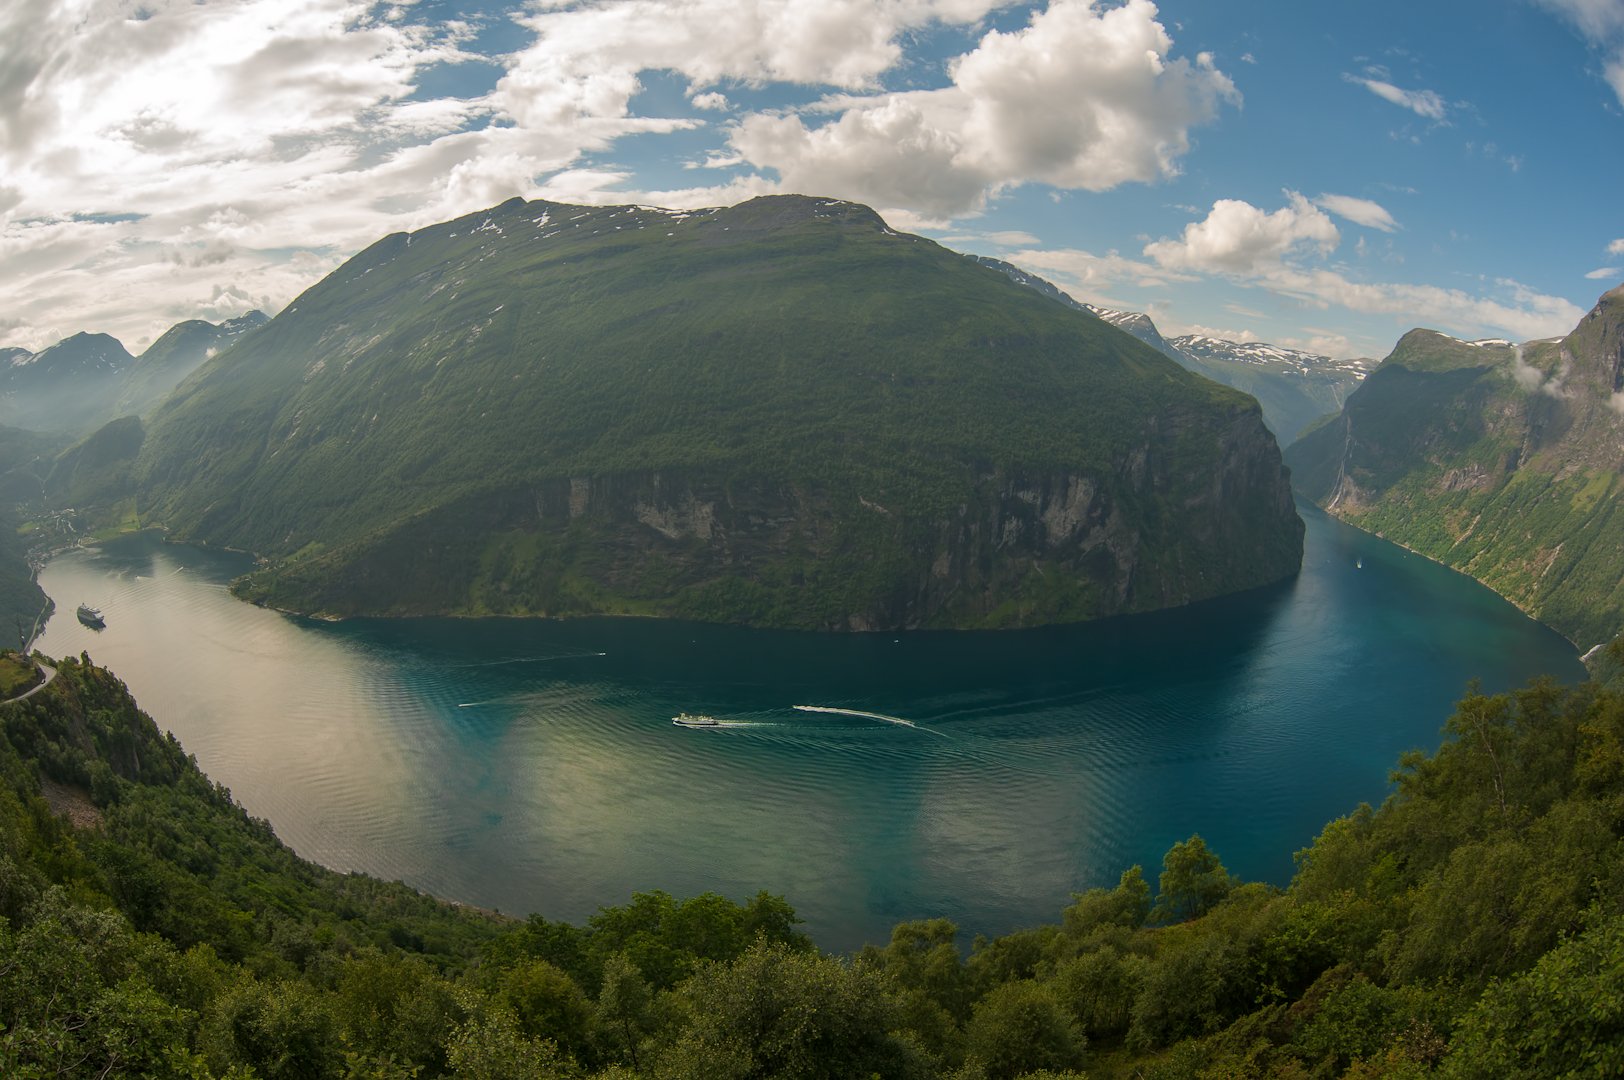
x,y
180,159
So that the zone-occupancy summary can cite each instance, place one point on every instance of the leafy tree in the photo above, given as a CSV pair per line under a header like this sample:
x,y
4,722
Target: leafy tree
x,y
1126,905
492,1047
1099,988
667,938
782,1012
1562,1018
624,1014
546,1004
1021,1027
280,1030
397,1008
1192,882
923,957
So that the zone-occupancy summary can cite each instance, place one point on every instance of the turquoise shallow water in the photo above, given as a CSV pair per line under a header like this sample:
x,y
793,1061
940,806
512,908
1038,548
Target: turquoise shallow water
x,y
531,765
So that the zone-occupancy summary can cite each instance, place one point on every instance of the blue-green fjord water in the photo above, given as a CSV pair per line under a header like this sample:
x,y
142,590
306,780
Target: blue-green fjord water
x,y
531,765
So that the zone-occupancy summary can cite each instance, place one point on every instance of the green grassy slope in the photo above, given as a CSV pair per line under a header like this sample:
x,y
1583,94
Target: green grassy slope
x,y
828,396
1501,462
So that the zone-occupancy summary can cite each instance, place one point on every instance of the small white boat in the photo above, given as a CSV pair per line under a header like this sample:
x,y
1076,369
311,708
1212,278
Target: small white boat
x,y
695,720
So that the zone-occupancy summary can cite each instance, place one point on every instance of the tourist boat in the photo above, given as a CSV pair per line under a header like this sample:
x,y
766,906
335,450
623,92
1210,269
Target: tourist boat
x,y
91,617
693,720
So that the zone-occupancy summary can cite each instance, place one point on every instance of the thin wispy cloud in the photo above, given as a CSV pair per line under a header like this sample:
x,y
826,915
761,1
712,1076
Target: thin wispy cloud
x,y
1602,24
1424,103
1372,215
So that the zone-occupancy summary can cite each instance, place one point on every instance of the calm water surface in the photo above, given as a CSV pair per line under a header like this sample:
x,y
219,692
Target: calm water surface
x,y
531,765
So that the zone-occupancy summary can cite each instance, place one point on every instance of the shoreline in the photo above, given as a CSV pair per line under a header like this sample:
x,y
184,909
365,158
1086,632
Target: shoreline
x,y
1582,653
1578,649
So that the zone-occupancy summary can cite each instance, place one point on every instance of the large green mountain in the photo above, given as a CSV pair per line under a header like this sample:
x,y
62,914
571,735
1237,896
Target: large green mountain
x,y
780,413
1500,460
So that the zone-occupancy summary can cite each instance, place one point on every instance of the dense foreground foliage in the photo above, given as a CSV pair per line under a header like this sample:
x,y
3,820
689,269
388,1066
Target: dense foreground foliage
x,y
1472,926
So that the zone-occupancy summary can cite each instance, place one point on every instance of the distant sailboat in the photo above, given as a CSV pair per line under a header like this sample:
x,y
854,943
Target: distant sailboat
x,y
1359,563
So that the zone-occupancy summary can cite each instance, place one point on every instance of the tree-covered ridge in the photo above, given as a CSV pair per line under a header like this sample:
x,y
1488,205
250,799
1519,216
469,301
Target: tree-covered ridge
x,y
1502,461
779,413
1473,925
25,460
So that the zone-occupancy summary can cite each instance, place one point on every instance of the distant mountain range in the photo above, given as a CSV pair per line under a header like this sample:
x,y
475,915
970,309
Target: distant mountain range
x,y
1501,460
1295,388
85,380
779,413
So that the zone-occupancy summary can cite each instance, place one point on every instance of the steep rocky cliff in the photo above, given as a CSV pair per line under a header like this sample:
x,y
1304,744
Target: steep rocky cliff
x,y
780,413
1021,549
1501,460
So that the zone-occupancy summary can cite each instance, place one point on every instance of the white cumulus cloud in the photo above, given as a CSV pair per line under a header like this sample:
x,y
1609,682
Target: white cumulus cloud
x,y
1084,96
586,58
1616,247
1283,251
1238,238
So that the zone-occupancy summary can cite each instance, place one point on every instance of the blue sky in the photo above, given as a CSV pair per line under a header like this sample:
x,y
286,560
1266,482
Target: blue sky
x,y
1324,175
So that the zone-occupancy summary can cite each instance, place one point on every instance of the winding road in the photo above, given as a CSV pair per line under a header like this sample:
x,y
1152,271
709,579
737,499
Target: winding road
x,y
50,673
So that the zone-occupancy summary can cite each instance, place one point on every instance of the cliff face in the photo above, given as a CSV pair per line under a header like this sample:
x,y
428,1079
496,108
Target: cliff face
x,y
1501,460
1022,549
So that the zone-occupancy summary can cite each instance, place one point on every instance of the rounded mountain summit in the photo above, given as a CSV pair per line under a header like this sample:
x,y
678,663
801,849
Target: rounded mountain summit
x,y
780,413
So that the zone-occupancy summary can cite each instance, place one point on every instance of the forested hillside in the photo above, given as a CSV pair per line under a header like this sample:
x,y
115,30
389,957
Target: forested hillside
x,y
1472,926
1501,460
25,458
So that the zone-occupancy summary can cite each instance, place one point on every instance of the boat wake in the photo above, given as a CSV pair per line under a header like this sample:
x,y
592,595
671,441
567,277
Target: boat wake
x,y
535,659
882,717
